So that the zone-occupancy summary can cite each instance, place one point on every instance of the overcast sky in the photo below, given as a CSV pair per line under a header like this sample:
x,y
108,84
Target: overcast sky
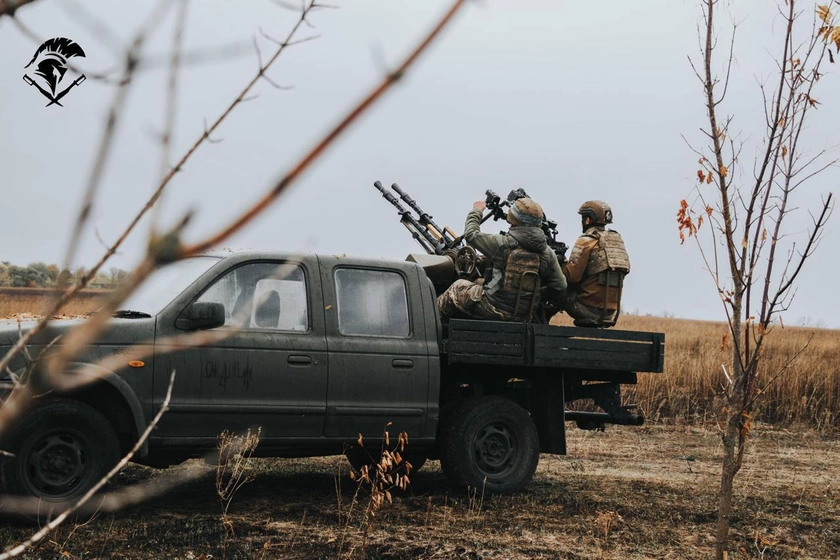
x,y
569,100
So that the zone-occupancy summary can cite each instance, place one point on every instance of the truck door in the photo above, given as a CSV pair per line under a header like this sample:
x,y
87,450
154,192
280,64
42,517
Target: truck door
x,y
378,356
271,368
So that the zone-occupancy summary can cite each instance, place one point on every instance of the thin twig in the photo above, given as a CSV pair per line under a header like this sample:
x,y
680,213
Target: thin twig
x,y
172,88
8,7
107,140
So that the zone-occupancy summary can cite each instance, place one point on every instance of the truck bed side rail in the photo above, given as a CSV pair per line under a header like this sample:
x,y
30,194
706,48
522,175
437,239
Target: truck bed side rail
x,y
526,344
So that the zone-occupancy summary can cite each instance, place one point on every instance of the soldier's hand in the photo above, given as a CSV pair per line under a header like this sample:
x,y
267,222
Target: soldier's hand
x,y
479,205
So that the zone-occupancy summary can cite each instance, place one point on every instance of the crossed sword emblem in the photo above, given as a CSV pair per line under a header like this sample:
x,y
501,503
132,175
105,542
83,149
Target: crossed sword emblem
x,y
48,95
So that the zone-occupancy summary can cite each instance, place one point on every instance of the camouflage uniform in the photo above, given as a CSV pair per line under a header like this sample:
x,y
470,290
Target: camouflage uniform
x,y
522,249
467,298
595,271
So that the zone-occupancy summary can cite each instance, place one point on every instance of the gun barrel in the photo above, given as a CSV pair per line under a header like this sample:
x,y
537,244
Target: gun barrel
x,y
418,230
425,218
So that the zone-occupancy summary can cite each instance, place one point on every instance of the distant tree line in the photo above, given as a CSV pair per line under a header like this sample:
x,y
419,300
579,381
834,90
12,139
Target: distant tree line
x,y
42,275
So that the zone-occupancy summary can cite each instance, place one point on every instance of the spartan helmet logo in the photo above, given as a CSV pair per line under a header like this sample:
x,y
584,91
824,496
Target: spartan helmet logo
x,y
50,66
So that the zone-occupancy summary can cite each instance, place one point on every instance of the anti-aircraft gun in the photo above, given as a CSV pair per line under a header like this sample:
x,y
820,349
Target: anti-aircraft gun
x,y
448,257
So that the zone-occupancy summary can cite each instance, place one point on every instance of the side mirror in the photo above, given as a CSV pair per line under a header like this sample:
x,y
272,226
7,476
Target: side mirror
x,y
201,315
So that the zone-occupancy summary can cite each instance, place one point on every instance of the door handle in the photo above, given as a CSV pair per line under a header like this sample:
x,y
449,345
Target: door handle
x,y
403,364
298,360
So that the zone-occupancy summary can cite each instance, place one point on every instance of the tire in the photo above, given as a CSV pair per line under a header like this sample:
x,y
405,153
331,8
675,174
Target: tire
x,y
359,457
62,448
490,443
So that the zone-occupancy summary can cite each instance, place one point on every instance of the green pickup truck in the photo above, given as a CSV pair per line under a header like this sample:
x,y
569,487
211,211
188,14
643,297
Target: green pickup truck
x,y
318,349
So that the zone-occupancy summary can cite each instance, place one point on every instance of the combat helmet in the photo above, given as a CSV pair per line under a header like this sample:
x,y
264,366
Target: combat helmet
x,y
525,212
598,211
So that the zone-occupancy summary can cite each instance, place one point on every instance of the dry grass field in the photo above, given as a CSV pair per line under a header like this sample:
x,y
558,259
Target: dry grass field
x,y
15,301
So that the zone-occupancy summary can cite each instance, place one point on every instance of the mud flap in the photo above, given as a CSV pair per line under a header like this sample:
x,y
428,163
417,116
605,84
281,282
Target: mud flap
x,y
549,412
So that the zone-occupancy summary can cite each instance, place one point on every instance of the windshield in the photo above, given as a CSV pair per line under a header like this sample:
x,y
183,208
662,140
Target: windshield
x,y
165,283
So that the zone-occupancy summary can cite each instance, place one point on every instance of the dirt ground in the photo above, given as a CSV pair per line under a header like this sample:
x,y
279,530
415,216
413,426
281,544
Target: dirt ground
x,y
629,492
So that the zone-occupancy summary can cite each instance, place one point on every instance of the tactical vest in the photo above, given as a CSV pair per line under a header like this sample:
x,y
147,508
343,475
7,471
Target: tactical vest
x,y
513,267
609,260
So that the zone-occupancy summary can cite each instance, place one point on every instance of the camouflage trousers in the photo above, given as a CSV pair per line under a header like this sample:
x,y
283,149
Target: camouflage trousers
x,y
584,315
466,299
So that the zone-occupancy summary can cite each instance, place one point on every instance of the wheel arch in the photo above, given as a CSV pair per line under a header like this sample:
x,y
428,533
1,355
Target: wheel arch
x,y
112,397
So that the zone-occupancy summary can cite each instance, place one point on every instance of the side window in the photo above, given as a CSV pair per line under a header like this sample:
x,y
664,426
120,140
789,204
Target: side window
x,y
262,296
371,302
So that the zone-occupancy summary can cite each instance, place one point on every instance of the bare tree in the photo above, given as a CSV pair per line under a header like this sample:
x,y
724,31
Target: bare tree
x,y
751,252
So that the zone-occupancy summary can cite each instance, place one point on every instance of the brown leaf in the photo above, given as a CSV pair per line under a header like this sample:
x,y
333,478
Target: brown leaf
x,y
824,14
700,175
723,171
784,151
684,221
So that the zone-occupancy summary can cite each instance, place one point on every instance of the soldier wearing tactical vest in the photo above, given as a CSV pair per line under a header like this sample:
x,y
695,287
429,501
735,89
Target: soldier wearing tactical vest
x,y
596,269
519,264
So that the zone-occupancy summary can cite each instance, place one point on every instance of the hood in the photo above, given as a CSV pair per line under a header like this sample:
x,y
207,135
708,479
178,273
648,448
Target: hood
x,y
118,331
530,238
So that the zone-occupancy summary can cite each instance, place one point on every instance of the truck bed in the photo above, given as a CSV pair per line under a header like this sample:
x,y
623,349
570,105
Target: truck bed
x,y
574,348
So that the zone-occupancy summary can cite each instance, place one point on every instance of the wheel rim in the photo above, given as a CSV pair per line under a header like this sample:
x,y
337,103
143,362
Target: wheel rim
x,y
57,464
495,450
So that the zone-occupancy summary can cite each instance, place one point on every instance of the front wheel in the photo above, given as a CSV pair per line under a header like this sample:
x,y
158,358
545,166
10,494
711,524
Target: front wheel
x,y
490,443
62,448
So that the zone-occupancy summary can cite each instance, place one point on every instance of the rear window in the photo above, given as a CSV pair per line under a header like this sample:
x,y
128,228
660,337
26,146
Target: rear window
x,y
371,303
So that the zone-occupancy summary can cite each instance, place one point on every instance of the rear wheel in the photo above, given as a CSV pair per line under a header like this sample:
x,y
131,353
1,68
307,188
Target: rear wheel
x,y
490,443
62,448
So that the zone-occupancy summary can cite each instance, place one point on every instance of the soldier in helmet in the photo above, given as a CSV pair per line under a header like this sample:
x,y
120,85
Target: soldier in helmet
x,y
520,263
596,269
